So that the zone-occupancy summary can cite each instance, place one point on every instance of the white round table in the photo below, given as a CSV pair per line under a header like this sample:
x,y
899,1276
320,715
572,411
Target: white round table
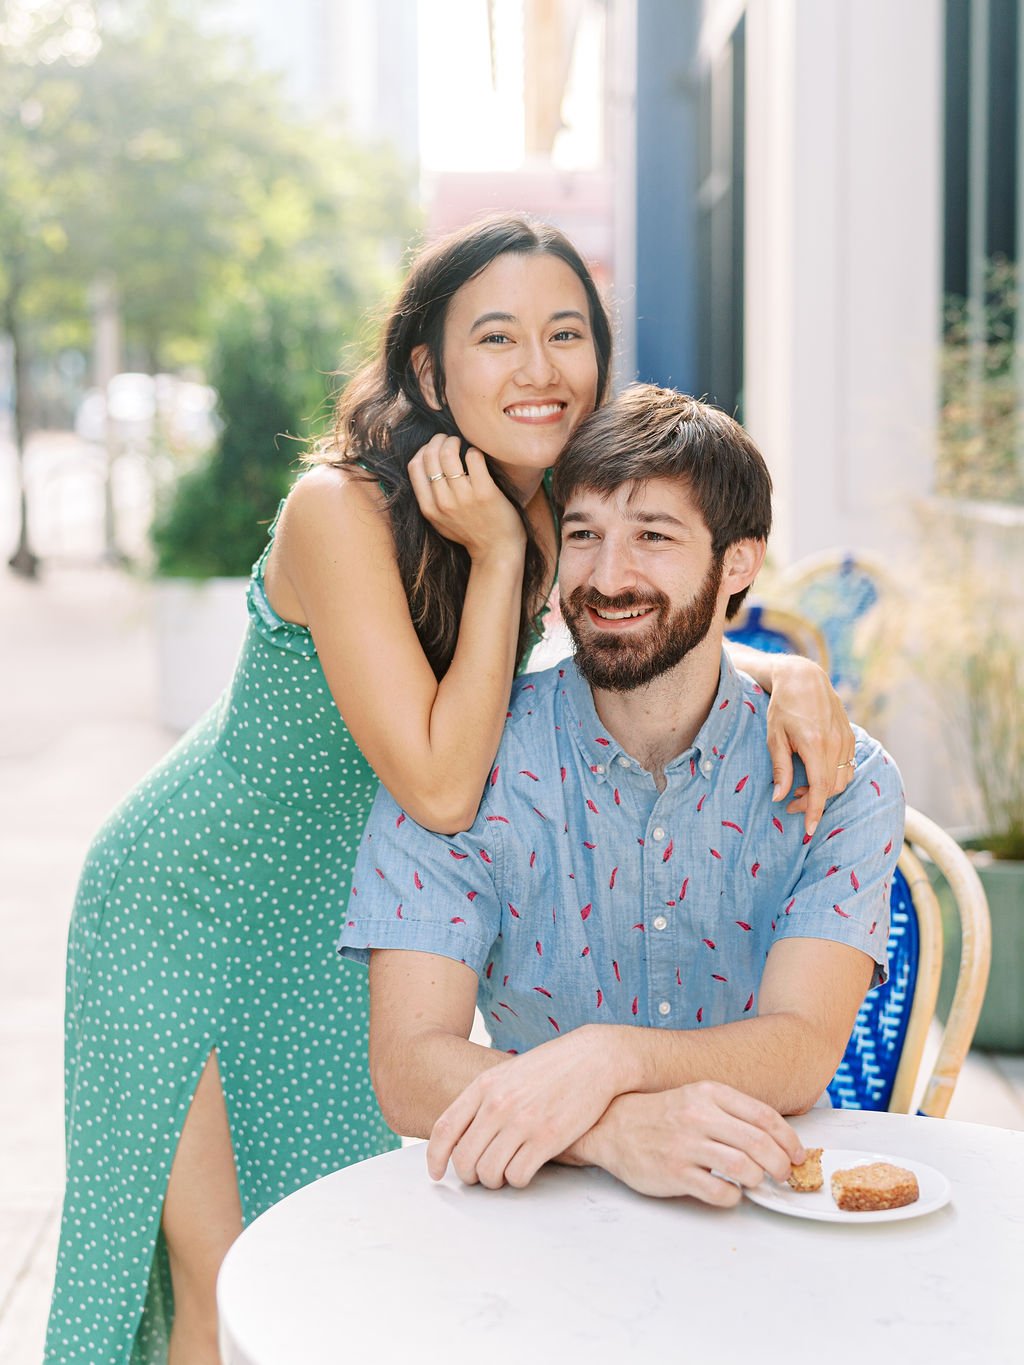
x,y
378,1263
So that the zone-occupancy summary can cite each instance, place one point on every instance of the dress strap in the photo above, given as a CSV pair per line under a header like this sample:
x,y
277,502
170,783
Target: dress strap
x,y
380,482
276,631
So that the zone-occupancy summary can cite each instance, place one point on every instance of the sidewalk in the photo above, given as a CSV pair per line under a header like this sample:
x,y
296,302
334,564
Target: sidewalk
x,y
77,728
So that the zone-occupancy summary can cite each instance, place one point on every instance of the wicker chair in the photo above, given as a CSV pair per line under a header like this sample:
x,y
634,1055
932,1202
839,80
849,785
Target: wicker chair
x,y
837,590
776,631
883,1057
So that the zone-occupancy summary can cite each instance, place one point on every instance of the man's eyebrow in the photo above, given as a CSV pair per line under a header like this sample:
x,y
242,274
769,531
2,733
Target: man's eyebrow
x,y
647,518
644,518
485,319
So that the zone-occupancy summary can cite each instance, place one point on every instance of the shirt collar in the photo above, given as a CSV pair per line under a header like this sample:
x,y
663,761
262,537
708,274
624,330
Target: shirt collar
x,y
601,748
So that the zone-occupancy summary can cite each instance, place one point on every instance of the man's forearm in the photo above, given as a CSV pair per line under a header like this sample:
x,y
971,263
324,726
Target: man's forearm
x,y
771,1059
416,1081
778,1058
784,1056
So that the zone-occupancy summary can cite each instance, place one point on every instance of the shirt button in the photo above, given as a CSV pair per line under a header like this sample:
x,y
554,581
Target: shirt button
x,y
598,767
622,761
706,767
660,922
658,833
664,1008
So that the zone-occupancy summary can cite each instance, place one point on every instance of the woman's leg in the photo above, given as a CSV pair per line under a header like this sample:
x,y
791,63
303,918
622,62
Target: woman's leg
x,y
202,1216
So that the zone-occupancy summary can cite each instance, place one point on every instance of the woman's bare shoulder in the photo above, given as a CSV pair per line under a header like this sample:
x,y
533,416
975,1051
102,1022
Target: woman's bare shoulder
x,y
330,490
334,517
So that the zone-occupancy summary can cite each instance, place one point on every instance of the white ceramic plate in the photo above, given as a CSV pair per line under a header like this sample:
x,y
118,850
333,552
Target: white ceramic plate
x,y
934,1191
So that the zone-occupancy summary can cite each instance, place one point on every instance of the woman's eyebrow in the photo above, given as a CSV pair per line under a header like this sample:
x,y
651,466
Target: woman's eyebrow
x,y
486,319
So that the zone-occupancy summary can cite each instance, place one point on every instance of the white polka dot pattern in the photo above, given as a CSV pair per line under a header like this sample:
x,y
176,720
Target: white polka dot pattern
x,y
206,918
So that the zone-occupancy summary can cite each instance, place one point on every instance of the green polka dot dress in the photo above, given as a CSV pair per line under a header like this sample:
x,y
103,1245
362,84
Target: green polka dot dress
x,y
206,919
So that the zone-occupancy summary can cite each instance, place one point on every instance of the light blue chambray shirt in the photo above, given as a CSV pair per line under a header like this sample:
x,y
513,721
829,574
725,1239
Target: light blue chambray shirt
x,y
582,894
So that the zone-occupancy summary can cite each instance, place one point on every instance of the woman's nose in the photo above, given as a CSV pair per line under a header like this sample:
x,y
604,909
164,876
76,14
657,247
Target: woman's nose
x,y
537,368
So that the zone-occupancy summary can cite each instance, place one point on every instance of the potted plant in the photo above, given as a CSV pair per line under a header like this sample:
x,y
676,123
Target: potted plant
x,y
961,626
964,638
211,520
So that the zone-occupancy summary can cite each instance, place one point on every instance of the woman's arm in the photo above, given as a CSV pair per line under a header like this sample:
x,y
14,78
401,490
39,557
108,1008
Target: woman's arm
x,y
805,717
334,564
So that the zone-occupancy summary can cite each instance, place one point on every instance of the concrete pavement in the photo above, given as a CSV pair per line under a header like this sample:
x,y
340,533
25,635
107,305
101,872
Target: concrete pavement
x,y
76,730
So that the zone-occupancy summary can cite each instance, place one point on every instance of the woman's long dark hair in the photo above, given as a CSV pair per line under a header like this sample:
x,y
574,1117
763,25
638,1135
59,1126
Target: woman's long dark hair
x,y
383,418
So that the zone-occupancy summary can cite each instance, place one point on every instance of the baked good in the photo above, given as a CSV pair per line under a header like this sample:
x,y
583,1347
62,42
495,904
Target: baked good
x,y
879,1185
806,1178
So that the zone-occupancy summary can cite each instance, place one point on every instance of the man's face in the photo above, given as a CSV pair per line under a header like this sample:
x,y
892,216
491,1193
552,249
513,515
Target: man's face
x,y
640,587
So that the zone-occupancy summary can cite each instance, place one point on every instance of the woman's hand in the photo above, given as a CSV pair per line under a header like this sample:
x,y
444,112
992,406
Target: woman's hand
x,y
806,717
464,505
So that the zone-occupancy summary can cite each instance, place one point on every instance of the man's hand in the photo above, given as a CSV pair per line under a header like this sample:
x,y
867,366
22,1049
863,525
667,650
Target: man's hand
x,y
670,1142
806,717
513,1118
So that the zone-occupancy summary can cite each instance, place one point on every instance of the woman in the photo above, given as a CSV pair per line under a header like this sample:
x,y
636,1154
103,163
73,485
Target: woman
x,y
216,1051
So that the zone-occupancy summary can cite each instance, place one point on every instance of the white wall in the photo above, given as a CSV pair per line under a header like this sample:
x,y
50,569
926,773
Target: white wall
x,y
844,125
843,262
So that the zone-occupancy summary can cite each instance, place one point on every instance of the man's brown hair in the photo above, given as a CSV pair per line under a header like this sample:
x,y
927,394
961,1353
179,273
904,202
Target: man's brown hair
x,y
654,433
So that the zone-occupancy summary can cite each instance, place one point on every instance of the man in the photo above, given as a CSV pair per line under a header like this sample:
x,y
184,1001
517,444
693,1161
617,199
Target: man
x,y
666,962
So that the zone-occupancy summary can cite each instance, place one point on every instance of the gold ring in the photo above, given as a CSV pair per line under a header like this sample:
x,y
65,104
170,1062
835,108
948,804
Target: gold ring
x,y
850,763
456,476
433,478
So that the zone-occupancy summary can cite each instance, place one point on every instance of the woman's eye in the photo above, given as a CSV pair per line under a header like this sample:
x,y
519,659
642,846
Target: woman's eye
x,y
495,339
567,334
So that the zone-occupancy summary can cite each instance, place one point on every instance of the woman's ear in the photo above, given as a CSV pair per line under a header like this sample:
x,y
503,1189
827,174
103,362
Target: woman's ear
x,y
743,560
423,365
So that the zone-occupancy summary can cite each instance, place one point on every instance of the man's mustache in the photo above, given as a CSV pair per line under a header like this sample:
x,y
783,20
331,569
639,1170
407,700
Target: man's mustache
x,y
581,598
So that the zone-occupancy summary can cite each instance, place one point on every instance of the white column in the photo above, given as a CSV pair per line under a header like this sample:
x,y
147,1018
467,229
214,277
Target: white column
x,y
622,78
843,262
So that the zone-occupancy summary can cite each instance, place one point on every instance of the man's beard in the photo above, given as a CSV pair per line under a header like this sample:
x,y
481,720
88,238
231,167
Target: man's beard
x,y
617,662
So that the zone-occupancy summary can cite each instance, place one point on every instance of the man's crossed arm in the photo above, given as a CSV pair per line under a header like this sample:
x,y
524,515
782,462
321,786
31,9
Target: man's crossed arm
x,y
659,1109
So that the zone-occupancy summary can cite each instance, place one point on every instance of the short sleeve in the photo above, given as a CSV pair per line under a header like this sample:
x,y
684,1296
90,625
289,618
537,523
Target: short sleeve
x,y
426,892
844,886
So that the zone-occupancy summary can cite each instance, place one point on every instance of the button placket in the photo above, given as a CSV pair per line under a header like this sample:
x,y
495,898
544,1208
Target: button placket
x,y
660,874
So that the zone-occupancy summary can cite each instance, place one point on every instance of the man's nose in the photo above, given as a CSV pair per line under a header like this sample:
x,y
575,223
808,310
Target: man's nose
x,y
612,570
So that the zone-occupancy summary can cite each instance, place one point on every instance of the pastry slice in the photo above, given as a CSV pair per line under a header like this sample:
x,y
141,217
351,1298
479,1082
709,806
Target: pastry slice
x,y
865,1189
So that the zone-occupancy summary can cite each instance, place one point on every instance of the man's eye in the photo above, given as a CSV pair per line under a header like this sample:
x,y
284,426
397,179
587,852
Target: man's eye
x,y
579,535
654,536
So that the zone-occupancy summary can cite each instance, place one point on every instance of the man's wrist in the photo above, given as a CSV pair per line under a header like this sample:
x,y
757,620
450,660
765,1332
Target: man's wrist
x,y
618,1048
591,1148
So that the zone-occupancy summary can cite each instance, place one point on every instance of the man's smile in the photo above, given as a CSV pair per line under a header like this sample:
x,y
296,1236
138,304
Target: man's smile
x,y
614,617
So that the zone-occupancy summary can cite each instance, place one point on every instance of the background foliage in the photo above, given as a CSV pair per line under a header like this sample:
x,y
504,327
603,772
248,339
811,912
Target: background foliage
x,y
140,147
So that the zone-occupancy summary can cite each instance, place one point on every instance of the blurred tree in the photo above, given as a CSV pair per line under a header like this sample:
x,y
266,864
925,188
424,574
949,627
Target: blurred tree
x,y
142,150
212,519
40,47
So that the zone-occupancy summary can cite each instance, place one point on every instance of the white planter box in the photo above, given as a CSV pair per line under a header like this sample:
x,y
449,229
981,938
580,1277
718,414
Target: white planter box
x,y
200,624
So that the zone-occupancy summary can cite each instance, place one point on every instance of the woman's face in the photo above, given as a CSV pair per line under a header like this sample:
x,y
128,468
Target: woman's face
x,y
519,360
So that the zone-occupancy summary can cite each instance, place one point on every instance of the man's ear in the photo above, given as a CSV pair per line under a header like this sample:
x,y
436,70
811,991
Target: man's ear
x,y
423,364
742,564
